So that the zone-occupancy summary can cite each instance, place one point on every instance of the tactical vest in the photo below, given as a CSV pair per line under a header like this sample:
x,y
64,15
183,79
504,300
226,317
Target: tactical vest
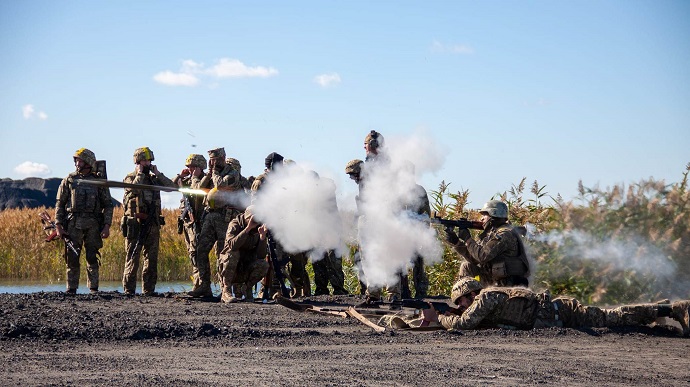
x,y
83,198
141,201
505,266
519,310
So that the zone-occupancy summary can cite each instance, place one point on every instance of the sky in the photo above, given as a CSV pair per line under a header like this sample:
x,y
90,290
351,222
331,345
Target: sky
x,y
557,92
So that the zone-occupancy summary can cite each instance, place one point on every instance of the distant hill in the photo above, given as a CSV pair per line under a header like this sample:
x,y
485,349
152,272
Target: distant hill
x,y
31,192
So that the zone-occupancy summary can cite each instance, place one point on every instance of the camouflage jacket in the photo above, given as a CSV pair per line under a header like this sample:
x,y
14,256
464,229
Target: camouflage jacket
x,y
82,200
144,201
196,202
512,308
501,246
247,243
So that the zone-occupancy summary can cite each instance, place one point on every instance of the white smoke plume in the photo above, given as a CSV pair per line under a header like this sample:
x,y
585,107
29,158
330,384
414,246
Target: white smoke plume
x,y
300,209
390,238
627,253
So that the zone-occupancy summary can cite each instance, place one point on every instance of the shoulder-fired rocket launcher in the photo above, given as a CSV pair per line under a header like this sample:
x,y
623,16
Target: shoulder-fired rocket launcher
x,y
119,184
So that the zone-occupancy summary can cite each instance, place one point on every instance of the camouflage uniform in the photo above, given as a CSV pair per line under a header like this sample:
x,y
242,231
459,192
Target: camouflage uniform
x,y
520,308
221,207
419,278
191,206
83,211
142,215
499,258
329,269
243,259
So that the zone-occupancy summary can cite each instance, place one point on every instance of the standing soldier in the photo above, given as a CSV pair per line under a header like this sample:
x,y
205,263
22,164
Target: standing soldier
x,y
420,205
86,211
191,206
499,258
224,202
141,223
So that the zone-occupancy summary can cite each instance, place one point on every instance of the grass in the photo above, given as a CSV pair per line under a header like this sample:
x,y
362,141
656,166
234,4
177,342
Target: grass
x,y
629,233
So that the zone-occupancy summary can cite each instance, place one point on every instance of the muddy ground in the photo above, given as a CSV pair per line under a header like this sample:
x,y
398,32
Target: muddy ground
x,y
112,339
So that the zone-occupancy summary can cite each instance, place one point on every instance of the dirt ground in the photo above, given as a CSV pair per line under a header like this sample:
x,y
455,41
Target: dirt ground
x,y
112,339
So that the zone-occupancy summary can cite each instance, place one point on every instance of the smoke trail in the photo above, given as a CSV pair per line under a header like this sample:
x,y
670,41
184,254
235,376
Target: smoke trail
x,y
300,209
389,237
627,253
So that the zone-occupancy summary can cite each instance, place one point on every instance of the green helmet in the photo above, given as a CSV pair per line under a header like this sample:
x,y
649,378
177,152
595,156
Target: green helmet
x,y
87,156
234,163
463,287
495,209
354,167
196,160
218,152
143,153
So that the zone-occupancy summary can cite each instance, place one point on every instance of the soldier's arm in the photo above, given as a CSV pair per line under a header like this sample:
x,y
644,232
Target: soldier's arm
x,y
238,236
63,196
106,205
165,181
496,245
482,307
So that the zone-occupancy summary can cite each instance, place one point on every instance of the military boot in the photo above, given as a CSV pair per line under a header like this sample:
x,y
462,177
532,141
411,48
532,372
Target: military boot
x,y
680,312
227,297
198,292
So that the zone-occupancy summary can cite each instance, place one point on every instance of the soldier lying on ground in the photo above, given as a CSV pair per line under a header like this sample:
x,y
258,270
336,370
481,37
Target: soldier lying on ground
x,y
520,308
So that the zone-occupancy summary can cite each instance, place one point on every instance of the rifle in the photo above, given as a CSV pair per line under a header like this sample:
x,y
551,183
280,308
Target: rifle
x,y
186,213
144,231
459,223
48,225
441,307
277,265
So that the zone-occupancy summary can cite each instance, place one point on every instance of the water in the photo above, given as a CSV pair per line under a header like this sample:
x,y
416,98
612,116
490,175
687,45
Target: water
x,y
28,286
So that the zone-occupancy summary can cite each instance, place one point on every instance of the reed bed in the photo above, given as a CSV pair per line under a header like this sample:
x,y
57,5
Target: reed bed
x,y
644,227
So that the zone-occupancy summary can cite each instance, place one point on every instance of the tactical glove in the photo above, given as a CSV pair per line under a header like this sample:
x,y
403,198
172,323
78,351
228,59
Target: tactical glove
x,y
464,234
451,237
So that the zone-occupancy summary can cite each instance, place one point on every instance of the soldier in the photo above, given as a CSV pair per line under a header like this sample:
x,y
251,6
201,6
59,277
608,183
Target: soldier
x,y
191,206
245,182
242,261
499,258
84,214
420,205
354,170
141,223
520,308
223,203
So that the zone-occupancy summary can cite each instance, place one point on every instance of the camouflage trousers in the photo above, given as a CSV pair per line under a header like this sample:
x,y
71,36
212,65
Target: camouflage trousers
x,y
212,233
420,281
573,314
86,232
298,276
149,272
190,240
246,274
329,269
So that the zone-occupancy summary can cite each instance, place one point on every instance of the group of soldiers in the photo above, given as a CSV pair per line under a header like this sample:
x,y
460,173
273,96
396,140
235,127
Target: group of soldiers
x,y
492,290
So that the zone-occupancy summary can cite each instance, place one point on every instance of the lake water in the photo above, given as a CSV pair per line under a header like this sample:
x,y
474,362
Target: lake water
x,y
27,286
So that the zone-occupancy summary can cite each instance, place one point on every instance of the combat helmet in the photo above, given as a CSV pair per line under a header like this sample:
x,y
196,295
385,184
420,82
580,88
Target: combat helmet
x,y
234,163
87,156
463,287
495,209
218,152
196,160
273,159
354,167
143,153
374,139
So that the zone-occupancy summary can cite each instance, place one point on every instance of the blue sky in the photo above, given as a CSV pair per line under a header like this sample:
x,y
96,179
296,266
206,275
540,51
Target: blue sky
x,y
550,91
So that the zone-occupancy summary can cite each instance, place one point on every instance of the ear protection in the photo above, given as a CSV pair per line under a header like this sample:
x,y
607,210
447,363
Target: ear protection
x,y
374,141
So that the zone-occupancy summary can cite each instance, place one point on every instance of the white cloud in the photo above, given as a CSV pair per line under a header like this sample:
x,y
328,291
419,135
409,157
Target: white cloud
x,y
176,79
463,49
29,112
31,169
326,80
233,68
191,72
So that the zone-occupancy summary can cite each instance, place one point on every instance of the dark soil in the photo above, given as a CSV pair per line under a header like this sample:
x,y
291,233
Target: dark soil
x,y
112,339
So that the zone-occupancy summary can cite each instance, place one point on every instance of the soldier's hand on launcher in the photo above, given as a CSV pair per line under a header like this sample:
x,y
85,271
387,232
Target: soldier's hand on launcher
x,y
464,234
